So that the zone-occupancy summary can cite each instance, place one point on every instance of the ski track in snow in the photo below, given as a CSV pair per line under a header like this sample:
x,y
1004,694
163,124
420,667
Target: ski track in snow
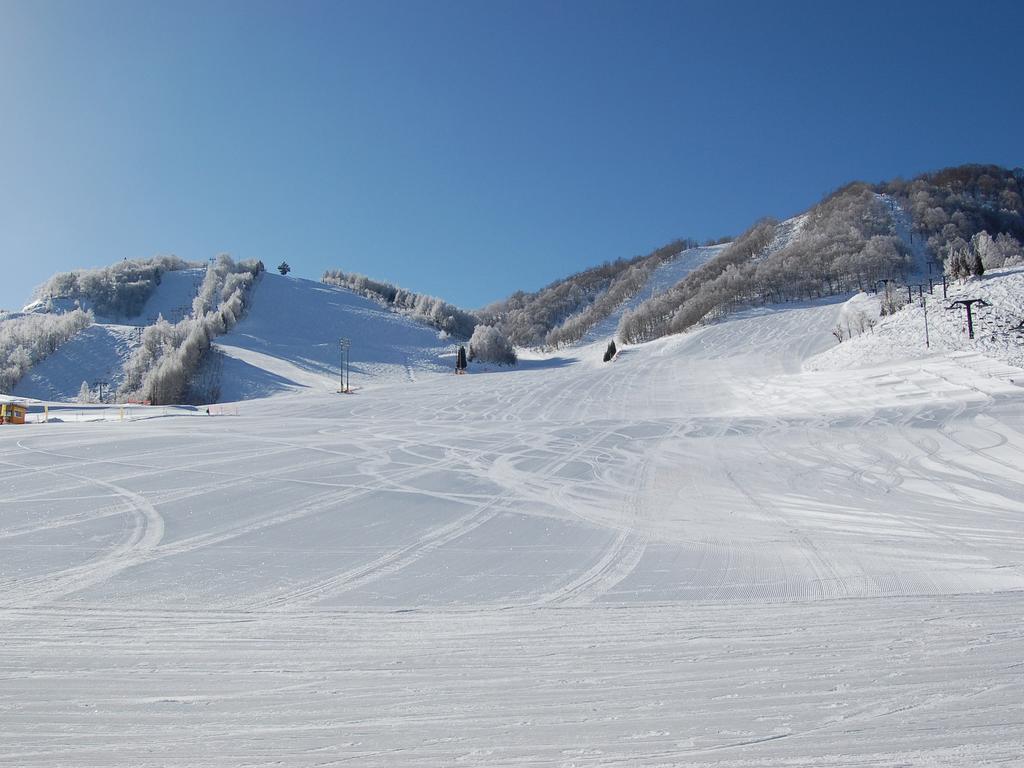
x,y
701,554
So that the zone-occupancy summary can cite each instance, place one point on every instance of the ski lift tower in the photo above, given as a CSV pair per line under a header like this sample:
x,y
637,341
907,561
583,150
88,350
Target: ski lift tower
x,y
967,304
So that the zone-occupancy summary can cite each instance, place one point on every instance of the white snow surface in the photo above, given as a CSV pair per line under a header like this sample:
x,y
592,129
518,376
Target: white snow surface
x,y
902,335
700,554
290,339
924,266
786,233
96,353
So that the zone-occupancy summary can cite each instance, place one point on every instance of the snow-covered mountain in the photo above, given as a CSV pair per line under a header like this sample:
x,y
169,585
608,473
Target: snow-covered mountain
x,y
901,234
289,338
791,535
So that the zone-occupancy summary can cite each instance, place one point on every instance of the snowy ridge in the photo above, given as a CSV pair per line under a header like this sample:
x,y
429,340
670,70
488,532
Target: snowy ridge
x,y
662,278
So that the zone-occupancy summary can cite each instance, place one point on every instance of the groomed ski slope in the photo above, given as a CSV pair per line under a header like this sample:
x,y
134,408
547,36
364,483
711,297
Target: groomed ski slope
x,y
697,555
98,353
287,341
290,339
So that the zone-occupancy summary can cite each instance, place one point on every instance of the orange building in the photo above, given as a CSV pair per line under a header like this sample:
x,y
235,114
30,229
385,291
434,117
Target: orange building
x,y
12,413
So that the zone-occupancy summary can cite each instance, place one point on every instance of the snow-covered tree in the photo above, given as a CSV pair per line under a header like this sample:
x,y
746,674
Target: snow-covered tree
x,y
610,351
1009,249
25,339
977,265
428,309
120,290
983,246
85,394
162,366
489,345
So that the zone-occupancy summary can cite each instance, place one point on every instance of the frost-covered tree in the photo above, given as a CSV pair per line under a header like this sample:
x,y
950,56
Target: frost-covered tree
x,y
85,394
957,203
983,246
489,345
427,309
565,310
845,243
25,339
1009,250
162,367
120,290
959,260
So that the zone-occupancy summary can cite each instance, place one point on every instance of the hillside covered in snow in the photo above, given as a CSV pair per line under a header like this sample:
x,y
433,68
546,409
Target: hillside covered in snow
x,y
775,529
955,221
701,554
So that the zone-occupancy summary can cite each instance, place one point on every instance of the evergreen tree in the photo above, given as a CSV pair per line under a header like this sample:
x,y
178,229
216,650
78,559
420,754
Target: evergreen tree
x,y
283,268
977,266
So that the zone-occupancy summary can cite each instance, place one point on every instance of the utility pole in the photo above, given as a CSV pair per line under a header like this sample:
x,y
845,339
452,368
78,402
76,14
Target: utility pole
x,y
924,306
967,303
345,346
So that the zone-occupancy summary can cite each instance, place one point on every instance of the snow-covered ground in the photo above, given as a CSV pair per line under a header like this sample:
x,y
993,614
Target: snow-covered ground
x,y
94,354
923,264
98,353
903,335
786,233
700,554
290,339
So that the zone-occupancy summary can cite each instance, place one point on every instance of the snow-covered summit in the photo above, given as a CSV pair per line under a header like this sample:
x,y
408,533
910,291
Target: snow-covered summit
x,y
288,340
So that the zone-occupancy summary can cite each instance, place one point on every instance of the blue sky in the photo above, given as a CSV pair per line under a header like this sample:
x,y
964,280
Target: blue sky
x,y
469,149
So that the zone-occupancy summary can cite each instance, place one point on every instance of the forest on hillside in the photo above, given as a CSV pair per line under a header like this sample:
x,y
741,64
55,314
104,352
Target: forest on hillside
x,y
117,291
562,312
848,242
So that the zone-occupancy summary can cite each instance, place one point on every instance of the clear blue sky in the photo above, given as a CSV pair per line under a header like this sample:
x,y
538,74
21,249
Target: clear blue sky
x,y
467,149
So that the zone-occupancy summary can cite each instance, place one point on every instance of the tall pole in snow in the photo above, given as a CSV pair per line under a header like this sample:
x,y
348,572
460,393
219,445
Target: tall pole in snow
x,y
924,306
346,365
342,385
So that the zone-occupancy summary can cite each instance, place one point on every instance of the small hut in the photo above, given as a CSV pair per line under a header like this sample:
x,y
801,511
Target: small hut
x,y
12,412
